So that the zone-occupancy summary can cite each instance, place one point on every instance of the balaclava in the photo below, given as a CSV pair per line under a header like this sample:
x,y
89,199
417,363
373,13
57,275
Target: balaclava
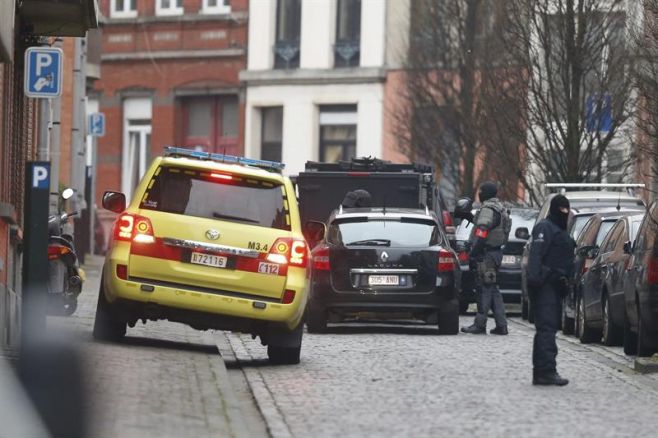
x,y
487,191
555,215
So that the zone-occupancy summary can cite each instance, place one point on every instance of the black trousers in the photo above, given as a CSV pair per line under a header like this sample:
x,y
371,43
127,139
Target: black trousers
x,y
546,304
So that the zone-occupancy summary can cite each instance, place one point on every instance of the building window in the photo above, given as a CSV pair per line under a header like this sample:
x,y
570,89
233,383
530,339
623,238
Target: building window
x,y
348,33
123,8
288,29
169,7
272,133
210,123
337,132
216,7
135,157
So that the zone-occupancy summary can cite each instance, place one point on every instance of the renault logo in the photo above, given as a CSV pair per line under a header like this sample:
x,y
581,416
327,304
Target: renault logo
x,y
212,234
384,256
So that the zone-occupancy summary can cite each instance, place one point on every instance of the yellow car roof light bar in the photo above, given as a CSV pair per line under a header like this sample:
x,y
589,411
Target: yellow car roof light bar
x,y
170,151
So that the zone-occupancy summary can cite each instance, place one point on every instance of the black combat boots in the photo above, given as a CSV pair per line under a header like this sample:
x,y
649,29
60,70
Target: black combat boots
x,y
474,330
548,378
499,331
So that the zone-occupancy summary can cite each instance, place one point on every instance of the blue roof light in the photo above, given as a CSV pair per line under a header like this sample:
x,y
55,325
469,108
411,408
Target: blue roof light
x,y
171,151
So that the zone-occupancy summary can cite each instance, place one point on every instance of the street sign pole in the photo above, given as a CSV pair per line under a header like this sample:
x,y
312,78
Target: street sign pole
x,y
35,256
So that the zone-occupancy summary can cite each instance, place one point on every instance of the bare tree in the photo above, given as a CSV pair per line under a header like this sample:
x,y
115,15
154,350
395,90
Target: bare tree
x,y
443,118
647,85
577,67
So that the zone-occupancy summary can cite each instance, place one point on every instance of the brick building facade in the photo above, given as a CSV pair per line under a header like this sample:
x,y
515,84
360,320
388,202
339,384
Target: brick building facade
x,y
169,75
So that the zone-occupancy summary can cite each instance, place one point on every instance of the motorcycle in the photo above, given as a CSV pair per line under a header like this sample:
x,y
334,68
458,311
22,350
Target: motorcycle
x,y
64,279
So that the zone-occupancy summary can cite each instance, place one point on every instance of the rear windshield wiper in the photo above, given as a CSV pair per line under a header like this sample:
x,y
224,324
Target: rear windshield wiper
x,y
373,242
217,215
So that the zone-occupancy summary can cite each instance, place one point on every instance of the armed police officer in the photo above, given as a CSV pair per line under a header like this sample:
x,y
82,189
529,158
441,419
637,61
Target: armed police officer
x,y
550,266
490,232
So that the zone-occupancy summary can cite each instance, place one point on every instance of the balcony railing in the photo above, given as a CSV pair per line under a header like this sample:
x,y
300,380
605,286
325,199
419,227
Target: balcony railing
x,y
286,54
347,53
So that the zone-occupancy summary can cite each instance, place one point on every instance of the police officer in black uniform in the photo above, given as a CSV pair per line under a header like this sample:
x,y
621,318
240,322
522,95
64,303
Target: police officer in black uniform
x,y
550,266
490,231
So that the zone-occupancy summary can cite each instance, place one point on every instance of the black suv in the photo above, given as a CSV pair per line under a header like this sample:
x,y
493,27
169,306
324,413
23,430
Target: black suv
x,y
641,289
376,263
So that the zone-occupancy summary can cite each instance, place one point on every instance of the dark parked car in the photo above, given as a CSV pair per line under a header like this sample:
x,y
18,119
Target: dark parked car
x,y
641,289
580,201
384,264
601,310
509,275
587,246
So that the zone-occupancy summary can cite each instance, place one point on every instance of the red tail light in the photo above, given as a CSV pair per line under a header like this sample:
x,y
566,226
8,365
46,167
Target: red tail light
x,y
447,219
446,261
122,272
321,259
132,227
288,296
56,251
287,250
652,272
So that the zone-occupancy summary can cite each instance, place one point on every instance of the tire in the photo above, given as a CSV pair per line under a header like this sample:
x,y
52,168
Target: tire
x,y
449,320
644,347
612,334
524,308
630,339
316,320
283,355
108,326
463,307
567,323
586,334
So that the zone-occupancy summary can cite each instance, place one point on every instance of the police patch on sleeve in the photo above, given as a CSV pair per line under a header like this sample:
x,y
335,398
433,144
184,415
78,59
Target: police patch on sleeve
x,y
540,237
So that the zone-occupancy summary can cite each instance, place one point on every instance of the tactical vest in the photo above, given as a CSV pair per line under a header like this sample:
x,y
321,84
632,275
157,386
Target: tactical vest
x,y
498,233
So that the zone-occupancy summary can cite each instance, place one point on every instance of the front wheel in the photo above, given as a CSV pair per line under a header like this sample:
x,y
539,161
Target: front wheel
x,y
567,323
586,334
612,334
108,326
449,319
644,347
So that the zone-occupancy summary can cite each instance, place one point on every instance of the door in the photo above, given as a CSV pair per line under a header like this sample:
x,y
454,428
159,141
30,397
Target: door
x,y
210,123
137,154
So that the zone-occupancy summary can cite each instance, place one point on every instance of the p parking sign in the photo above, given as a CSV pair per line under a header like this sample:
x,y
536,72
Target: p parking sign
x,y
43,72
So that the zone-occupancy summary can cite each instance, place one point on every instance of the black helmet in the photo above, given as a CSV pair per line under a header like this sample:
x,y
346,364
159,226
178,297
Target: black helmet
x,y
463,208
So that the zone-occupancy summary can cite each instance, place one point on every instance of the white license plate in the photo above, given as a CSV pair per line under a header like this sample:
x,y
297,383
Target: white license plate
x,y
509,260
215,261
268,268
383,280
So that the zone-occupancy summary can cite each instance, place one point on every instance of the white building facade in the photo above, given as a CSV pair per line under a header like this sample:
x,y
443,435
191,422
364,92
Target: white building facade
x,y
316,76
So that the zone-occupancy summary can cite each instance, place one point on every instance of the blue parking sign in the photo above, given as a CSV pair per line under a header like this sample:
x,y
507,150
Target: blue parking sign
x,y
96,124
43,72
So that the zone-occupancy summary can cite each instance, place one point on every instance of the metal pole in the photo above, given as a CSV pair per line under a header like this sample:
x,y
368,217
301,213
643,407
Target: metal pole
x,y
55,149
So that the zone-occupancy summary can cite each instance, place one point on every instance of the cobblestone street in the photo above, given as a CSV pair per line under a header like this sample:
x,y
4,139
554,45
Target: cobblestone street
x,y
169,380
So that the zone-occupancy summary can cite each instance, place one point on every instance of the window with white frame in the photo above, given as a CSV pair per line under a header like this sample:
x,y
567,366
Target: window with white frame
x,y
216,7
169,7
123,8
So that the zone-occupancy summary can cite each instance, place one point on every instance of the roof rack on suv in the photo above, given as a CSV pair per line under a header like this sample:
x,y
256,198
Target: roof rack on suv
x,y
564,186
171,151
367,164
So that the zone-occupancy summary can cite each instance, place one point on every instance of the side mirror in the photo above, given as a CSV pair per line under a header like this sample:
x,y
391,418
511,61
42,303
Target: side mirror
x,y
522,233
628,247
593,252
314,231
463,209
589,251
67,193
114,201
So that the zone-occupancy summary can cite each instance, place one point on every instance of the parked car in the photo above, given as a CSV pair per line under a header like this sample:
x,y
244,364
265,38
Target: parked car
x,y
587,245
509,275
641,289
580,201
384,263
213,241
601,310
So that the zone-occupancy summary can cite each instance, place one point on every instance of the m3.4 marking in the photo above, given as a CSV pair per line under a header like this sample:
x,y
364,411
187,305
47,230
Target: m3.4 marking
x,y
262,247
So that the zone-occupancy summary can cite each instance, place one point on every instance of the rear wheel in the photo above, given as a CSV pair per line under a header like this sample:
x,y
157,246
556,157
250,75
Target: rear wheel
x,y
630,339
108,326
567,323
612,334
316,320
644,347
449,319
284,347
586,334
